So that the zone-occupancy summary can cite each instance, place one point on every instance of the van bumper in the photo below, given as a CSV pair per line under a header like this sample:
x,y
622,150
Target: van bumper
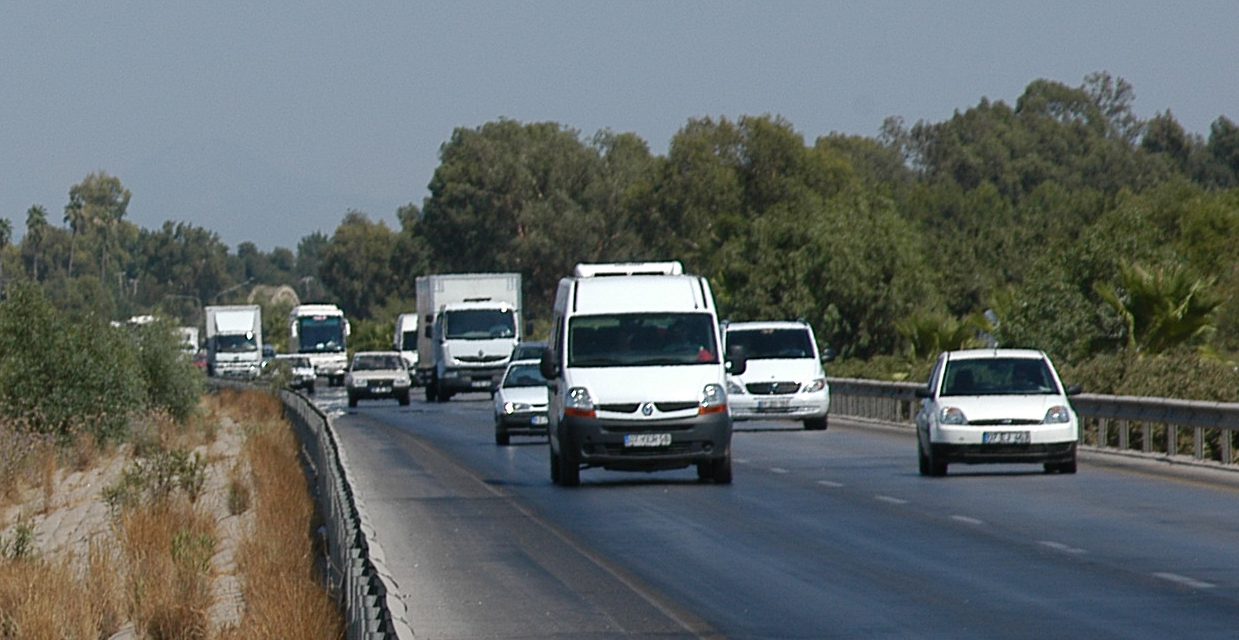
x,y
607,443
465,380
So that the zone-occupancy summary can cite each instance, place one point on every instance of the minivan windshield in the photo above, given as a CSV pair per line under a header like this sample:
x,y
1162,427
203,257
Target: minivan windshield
x,y
771,344
998,377
642,339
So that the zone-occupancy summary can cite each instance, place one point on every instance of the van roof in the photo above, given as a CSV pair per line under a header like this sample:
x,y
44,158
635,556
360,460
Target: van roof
x,y
638,294
588,270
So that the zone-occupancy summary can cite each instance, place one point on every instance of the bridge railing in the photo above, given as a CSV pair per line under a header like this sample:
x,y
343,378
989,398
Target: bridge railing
x,y
356,570
1165,427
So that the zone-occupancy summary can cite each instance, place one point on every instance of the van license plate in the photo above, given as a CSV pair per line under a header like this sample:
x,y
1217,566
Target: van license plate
x,y
647,440
538,420
1005,437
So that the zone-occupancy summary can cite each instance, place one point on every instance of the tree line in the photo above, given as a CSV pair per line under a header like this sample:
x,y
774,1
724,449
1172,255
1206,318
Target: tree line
x,y
1062,222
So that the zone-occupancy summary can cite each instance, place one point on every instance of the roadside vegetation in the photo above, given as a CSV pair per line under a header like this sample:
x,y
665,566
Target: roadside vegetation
x,y
1063,220
133,500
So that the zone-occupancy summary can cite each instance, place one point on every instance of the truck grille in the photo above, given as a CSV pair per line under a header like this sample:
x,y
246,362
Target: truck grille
x,y
480,358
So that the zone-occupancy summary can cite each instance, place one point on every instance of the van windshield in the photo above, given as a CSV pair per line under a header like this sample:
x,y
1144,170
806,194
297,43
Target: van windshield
x,y
771,344
642,339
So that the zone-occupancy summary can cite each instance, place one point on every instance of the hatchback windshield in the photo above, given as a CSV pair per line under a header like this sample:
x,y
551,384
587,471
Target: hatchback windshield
x,y
524,375
998,376
378,363
771,344
644,339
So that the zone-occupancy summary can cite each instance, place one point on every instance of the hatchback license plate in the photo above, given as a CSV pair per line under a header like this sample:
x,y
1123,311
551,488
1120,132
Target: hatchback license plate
x,y
1005,437
647,439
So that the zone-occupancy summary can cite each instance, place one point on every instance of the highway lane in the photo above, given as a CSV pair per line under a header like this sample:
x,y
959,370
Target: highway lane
x,y
822,535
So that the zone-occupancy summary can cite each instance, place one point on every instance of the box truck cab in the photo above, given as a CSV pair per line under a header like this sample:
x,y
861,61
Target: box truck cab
x,y
405,339
635,372
470,322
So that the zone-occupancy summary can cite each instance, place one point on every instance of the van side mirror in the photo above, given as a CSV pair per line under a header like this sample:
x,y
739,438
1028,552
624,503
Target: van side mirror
x,y
1074,390
548,365
829,355
736,363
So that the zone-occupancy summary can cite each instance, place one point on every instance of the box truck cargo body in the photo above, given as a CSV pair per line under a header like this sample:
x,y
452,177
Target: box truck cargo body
x,y
234,340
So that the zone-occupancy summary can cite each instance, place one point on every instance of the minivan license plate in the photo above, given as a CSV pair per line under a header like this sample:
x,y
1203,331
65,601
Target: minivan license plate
x,y
647,439
1005,437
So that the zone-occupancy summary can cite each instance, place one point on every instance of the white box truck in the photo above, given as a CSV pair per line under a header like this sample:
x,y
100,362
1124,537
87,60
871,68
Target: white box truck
x,y
320,332
404,340
469,324
636,373
234,341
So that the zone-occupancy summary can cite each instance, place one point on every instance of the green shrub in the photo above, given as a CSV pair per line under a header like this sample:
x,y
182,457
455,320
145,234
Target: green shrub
x,y
1184,374
172,382
59,374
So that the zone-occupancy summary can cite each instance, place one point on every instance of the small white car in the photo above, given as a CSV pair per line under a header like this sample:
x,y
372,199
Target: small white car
x,y
521,399
996,406
784,379
377,374
300,371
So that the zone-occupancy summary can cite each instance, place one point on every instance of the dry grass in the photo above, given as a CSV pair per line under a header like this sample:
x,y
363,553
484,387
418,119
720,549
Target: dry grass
x,y
283,596
156,572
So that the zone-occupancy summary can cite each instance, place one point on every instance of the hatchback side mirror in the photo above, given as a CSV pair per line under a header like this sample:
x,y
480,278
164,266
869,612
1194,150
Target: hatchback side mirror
x,y
924,392
829,355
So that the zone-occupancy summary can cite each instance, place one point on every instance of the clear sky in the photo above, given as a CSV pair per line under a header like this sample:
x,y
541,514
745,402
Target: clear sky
x,y
267,121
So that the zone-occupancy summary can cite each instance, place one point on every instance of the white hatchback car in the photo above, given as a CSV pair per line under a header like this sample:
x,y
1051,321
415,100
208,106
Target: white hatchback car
x,y
784,379
996,406
520,401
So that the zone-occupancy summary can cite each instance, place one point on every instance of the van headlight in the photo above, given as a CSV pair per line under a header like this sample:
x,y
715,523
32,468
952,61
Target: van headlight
x,y
734,387
578,403
713,400
815,385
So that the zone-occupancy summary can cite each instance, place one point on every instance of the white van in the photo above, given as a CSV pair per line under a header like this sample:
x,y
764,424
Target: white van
x,y
784,379
636,375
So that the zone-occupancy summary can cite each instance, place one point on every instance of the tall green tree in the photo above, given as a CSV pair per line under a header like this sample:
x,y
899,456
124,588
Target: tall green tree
x,y
97,205
357,264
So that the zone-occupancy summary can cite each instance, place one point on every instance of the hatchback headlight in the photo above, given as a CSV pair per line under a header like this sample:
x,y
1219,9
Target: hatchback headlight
x,y
1057,415
952,415
516,407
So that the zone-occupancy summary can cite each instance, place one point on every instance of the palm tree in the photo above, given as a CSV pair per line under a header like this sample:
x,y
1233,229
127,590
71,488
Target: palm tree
x,y
929,334
6,234
36,225
1163,308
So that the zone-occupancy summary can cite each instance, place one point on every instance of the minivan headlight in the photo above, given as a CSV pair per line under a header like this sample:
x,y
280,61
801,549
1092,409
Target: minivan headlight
x,y
817,384
734,387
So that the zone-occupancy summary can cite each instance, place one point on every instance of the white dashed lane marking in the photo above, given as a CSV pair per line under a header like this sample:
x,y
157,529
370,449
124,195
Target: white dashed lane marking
x,y
967,520
1185,581
778,470
830,483
890,499
1058,546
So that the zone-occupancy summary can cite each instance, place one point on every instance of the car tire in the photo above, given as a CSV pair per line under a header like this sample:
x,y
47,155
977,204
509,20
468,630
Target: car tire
x,y
352,400
720,472
1068,467
442,395
502,438
431,391
569,469
554,466
816,424
922,461
931,466
310,389
403,398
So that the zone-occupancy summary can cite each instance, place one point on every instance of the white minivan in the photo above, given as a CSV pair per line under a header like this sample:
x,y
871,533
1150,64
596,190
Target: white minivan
x,y
636,373
784,379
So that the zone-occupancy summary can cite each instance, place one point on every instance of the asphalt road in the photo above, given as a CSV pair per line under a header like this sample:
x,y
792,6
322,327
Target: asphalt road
x,y
822,535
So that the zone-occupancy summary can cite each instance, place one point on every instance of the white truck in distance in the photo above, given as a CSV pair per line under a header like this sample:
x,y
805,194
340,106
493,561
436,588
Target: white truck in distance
x,y
234,340
320,332
405,339
469,324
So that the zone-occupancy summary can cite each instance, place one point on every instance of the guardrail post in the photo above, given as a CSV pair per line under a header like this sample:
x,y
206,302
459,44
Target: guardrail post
x,y
1198,443
1172,440
1124,434
1146,437
1227,453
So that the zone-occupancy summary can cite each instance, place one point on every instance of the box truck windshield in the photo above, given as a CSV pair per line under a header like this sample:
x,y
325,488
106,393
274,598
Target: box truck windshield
x,y
321,334
236,343
644,339
479,324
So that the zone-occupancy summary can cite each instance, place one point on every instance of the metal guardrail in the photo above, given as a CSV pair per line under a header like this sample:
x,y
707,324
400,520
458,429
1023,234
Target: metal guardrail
x,y
1169,428
356,570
